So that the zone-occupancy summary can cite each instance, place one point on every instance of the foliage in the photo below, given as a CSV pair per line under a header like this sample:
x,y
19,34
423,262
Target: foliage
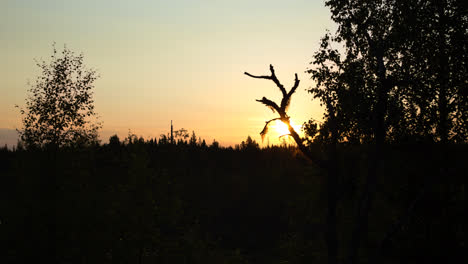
x,y
400,76
310,129
433,69
60,105
182,134
403,65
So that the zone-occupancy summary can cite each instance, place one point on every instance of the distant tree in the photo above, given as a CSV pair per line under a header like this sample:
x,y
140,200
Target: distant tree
x,y
164,139
203,144
114,140
249,144
181,134
215,144
193,139
131,138
60,107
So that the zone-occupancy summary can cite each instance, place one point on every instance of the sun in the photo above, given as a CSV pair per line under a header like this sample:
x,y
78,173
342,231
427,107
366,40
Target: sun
x,y
281,128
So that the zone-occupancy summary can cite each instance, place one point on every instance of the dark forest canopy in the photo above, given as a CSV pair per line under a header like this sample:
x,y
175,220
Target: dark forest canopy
x,y
137,201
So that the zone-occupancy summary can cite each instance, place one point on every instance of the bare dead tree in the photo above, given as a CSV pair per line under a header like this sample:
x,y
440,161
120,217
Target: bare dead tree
x,y
330,165
281,110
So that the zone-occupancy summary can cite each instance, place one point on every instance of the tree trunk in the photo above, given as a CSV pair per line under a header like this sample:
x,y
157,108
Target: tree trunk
x,y
361,225
442,78
332,188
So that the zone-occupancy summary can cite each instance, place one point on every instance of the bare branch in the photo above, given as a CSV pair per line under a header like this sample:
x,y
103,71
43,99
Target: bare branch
x,y
287,99
270,104
276,81
296,84
265,128
258,76
271,77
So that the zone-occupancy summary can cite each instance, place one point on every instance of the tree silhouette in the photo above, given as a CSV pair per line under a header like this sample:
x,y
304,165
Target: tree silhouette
x,y
371,46
330,165
400,79
329,89
434,66
60,104
249,144
281,110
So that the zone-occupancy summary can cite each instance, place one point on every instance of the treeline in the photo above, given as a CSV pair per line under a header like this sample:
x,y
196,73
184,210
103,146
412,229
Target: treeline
x,y
142,201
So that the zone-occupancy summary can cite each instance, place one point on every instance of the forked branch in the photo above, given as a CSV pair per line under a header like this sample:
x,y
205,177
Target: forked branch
x,y
271,77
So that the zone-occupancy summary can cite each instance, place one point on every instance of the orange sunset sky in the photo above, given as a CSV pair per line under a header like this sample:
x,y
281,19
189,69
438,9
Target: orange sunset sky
x,y
174,60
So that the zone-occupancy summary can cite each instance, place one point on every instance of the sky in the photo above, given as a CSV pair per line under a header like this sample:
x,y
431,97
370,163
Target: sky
x,y
180,60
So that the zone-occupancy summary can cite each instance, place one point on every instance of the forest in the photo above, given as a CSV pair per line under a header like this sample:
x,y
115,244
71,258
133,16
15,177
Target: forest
x,y
381,179
141,201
